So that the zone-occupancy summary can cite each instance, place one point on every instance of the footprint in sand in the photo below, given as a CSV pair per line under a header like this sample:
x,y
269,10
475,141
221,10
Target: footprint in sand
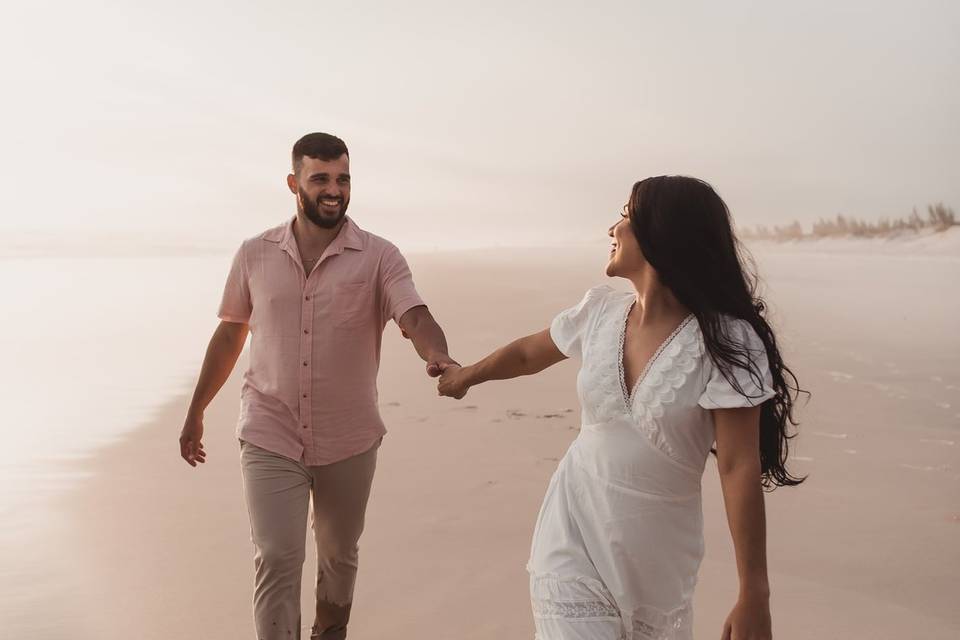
x,y
840,376
392,404
917,467
469,407
550,415
948,443
801,458
550,459
953,517
516,414
496,420
953,387
827,434
943,405
936,379
852,452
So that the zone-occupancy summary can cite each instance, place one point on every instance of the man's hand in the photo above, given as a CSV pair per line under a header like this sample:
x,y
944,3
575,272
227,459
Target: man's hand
x,y
453,382
191,447
437,364
418,326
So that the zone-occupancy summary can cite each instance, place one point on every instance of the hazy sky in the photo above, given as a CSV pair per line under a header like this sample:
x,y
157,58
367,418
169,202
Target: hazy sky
x,y
470,123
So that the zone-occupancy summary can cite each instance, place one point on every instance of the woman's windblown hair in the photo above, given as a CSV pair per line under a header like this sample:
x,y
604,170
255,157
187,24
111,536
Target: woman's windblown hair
x,y
685,233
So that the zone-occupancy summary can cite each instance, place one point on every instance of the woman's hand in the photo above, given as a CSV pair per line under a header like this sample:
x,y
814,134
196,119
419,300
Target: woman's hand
x,y
749,620
453,381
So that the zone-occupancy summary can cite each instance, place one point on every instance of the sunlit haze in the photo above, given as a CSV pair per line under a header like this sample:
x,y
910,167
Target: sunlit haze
x,y
469,124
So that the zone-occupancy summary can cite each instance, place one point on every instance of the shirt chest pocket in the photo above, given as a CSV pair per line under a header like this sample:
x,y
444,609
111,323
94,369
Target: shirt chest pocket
x,y
352,305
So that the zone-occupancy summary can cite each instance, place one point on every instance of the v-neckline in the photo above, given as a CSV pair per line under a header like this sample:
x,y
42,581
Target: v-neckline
x,y
629,395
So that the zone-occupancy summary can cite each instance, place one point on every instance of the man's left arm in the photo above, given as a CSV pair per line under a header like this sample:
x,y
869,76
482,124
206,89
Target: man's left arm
x,y
402,303
420,327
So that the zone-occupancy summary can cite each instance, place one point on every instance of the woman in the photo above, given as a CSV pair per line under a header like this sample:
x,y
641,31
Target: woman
x,y
684,361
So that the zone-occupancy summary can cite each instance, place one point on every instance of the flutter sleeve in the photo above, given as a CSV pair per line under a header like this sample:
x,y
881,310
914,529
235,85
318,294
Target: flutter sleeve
x,y
754,389
569,328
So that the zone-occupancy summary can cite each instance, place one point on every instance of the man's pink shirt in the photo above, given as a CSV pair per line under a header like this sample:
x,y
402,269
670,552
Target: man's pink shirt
x,y
310,392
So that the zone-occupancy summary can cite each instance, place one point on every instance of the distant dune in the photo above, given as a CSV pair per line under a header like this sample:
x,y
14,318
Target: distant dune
x,y
926,242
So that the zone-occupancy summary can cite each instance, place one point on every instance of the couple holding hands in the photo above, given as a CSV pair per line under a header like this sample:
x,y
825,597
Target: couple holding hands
x,y
681,364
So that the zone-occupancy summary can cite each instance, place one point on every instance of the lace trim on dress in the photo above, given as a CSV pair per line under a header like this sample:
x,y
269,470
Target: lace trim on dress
x,y
664,373
629,395
679,359
578,610
622,374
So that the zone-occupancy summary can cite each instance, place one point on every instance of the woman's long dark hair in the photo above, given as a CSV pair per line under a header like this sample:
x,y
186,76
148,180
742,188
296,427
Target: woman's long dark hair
x,y
685,233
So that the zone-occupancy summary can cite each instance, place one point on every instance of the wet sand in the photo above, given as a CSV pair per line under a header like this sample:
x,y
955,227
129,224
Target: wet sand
x,y
147,547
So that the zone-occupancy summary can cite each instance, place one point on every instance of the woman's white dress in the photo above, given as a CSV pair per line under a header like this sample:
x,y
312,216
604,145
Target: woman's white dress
x,y
619,538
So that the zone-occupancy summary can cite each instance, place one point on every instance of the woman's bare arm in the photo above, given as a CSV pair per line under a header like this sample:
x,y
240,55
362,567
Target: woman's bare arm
x,y
738,459
522,357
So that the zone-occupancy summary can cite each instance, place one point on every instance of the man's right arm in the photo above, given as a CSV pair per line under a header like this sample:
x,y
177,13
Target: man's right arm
x,y
222,353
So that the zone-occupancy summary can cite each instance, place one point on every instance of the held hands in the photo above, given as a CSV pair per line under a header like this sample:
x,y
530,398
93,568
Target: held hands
x,y
453,382
437,364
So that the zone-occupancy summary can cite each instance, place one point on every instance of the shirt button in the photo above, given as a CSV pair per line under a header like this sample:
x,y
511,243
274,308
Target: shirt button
x,y
304,363
304,395
306,297
304,426
306,330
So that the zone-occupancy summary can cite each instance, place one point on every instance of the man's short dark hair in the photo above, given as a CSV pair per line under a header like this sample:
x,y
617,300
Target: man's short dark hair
x,y
321,146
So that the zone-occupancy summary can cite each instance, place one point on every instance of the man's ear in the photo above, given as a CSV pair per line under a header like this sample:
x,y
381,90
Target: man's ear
x,y
292,183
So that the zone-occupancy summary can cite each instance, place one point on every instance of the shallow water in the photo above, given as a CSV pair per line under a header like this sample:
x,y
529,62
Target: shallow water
x,y
92,346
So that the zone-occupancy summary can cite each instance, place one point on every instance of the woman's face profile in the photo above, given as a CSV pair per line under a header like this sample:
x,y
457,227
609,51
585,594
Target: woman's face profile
x,y
625,254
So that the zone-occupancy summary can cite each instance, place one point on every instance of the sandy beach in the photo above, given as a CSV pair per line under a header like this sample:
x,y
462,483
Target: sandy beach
x,y
146,547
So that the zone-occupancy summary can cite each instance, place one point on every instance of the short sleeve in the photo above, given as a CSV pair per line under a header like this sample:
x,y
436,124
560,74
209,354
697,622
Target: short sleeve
x,y
570,326
720,393
398,292
235,304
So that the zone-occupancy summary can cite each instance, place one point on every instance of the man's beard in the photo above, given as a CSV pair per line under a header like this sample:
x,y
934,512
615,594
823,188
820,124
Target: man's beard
x,y
311,209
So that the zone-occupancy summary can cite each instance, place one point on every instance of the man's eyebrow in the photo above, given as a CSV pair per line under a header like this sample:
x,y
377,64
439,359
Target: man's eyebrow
x,y
327,175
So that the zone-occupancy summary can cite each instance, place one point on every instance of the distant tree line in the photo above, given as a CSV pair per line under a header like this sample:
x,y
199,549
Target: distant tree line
x,y
939,218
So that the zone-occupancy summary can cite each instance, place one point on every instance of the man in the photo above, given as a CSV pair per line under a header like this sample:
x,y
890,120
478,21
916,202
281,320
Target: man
x,y
315,293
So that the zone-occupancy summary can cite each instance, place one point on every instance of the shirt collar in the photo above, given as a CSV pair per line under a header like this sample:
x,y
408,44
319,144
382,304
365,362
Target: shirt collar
x,y
349,237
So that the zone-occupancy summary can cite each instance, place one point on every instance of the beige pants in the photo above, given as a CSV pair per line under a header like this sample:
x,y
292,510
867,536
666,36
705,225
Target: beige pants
x,y
277,491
